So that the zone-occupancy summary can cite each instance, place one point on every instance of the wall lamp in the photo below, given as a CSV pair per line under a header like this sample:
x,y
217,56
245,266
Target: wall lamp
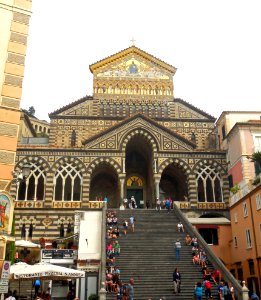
x,y
21,175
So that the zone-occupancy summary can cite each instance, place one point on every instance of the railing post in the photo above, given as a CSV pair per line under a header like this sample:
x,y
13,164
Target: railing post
x,y
244,291
102,291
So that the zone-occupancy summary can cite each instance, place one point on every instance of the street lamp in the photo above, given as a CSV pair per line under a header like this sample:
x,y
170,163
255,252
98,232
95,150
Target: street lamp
x,y
23,174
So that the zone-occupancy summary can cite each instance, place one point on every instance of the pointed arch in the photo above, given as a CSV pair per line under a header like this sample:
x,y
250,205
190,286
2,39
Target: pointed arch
x,y
148,136
68,179
33,187
209,181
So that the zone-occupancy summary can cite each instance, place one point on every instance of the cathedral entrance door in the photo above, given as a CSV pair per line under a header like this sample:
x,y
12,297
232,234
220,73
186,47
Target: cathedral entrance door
x,y
138,195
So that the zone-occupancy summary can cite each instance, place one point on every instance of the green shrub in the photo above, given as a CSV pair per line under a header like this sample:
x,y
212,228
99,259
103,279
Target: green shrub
x,y
93,297
235,189
256,181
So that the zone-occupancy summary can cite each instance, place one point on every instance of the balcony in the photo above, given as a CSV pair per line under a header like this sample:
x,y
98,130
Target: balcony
x,y
34,141
244,190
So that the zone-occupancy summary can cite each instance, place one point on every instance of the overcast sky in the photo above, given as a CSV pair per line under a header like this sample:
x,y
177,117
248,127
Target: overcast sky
x,y
215,46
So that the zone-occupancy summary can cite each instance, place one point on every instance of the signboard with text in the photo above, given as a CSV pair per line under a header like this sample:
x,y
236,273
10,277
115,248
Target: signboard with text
x,y
5,270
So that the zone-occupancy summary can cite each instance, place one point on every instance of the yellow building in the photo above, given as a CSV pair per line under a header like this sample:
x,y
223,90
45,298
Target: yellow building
x,y
14,16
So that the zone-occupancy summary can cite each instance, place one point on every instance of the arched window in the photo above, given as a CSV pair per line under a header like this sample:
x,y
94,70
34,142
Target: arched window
x,y
152,111
121,110
146,110
159,113
114,110
67,184
127,110
133,109
101,110
209,185
165,111
33,188
107,109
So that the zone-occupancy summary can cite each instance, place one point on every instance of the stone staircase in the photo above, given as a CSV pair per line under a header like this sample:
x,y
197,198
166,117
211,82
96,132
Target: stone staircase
x,y
148,256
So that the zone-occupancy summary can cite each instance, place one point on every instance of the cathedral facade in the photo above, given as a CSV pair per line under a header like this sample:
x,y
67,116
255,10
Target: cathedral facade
x,y
132,137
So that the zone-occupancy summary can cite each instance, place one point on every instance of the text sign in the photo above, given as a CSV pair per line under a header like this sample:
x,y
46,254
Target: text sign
x,y
3,282
5,270
3,289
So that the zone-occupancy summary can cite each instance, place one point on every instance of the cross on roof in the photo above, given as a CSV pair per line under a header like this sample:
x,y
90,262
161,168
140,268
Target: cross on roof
x,y
133,41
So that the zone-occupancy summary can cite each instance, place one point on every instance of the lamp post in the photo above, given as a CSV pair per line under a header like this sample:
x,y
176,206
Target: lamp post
x,y
23,174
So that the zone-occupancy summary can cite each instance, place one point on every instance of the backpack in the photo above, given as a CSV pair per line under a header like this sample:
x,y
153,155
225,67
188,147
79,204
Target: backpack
x,y
226,291
124,292
208,284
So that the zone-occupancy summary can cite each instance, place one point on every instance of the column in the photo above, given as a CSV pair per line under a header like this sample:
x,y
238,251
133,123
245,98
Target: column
x,y
122,181
192,190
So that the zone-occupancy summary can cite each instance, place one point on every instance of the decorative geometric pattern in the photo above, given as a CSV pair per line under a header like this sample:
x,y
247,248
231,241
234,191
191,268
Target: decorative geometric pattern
x,y
65,204
29,204
212,205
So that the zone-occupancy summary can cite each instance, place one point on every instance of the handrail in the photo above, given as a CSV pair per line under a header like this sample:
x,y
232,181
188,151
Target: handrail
x,y
102,290
217,263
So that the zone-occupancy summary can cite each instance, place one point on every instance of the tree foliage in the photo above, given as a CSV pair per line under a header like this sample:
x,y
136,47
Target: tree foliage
x,y
31,110
256,157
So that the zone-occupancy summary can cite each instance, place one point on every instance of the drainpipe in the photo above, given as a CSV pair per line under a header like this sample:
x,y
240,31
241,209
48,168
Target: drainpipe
x,y
255,241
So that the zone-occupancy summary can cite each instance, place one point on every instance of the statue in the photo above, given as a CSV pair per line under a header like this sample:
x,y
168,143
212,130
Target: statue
x,y
23,231
73,138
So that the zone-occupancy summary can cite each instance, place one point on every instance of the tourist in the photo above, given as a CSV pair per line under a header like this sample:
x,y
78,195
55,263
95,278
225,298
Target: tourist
x,y
131,289
194,242
176,281
125,202
37,285
133,202
196,259
216,276
116,248
207,285
9,296
253,296
177,249
221,290
114,221
180,227
167,205
125,227
227,292
206,274
198,291
132,220
187,240
158,205
231,288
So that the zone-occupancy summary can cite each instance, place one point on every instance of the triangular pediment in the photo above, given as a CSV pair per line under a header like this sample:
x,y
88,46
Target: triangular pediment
x,y
185,110
113,138
81,107
132,62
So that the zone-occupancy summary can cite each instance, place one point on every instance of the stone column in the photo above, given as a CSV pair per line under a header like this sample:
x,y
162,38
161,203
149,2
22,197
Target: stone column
x,y
122,181
157,194
192,190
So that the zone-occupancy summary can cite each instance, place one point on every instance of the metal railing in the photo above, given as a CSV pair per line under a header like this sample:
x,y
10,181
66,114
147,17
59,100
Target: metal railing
x,y
102,290
216,262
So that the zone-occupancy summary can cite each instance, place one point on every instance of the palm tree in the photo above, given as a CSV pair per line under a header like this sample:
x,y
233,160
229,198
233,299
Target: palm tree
x,y
256,157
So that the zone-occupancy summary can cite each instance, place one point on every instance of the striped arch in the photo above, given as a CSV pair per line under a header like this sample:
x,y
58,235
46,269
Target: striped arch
x,y
100,160
39,165
91,167
139,131
211,163
32,159
70,160
176,161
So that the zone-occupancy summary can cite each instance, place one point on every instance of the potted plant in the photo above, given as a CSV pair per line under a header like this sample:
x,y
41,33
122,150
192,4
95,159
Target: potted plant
x,y
235,189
